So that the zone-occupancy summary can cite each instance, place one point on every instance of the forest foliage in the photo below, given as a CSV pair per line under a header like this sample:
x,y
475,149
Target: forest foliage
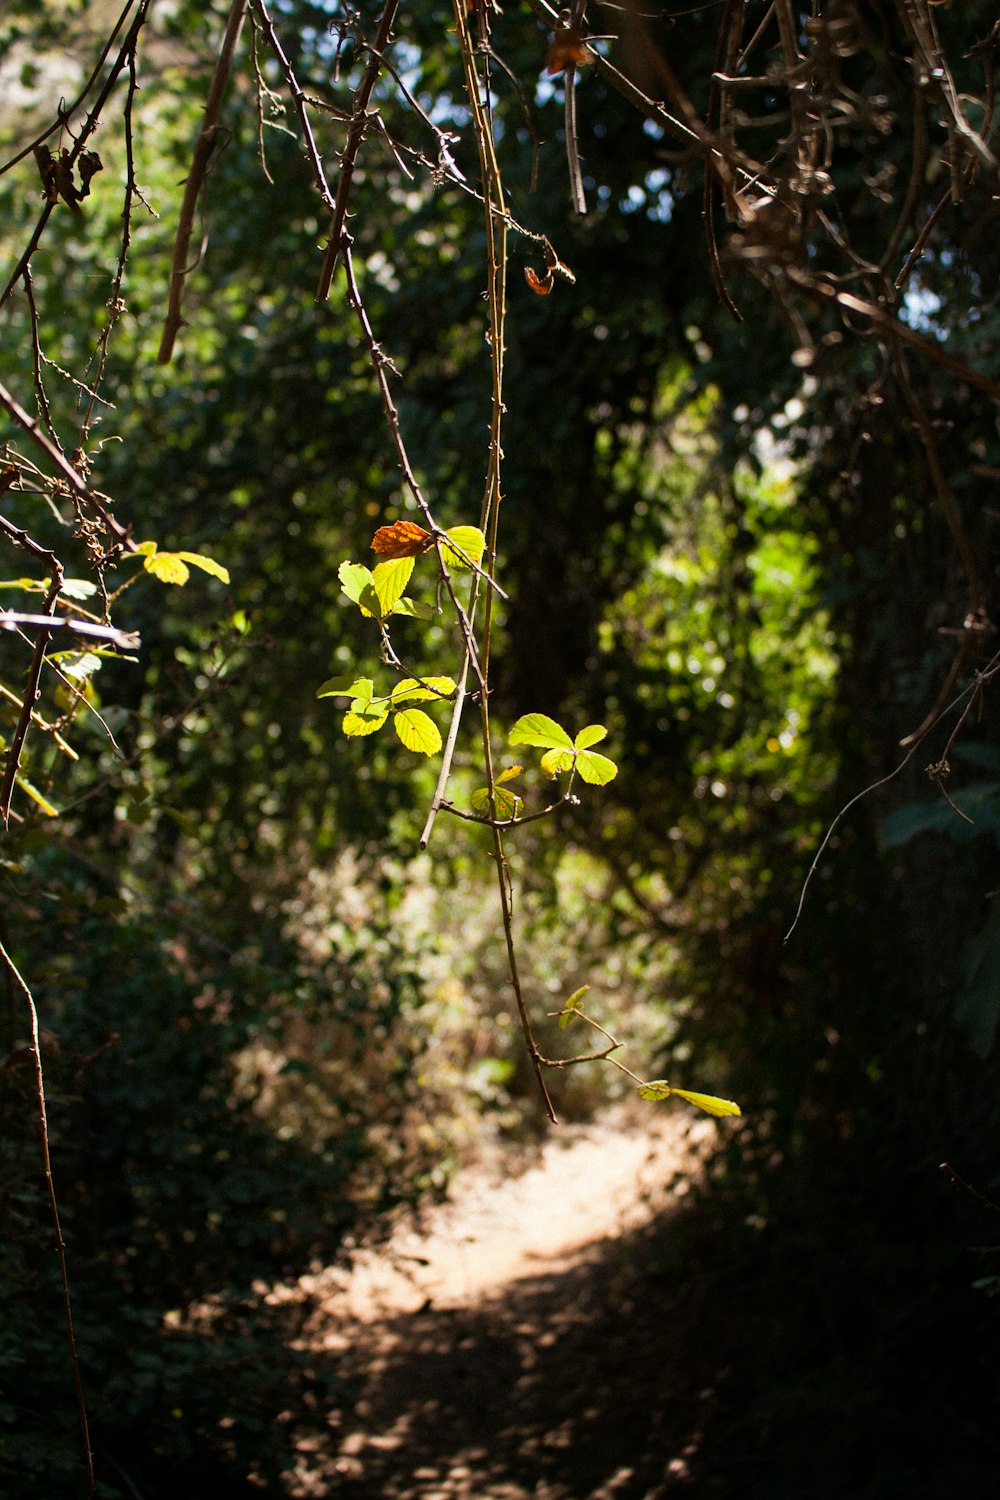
x,y
710,444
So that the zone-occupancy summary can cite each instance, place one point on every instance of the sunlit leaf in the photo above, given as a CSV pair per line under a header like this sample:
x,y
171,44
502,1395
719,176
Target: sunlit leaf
x,y
596,770
402,539
710,1103
554,762
417,732
346,686
354,579
424,690
78,588
472,542
364,721
167,567
206,564
78,664
508,804
415,609
541,285
659,1088
390,580
510,774
36,797
358,584
172,567
578,994
541,731
592,735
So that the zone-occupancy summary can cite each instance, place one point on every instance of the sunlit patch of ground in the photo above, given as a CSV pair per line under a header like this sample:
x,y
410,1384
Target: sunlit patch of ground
x,y
503,1349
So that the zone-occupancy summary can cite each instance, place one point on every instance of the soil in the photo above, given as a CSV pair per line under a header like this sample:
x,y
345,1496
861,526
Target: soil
x,y
528,1338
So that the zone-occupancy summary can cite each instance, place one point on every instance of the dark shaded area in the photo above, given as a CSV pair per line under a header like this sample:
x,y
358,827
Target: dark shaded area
x,y
691,1357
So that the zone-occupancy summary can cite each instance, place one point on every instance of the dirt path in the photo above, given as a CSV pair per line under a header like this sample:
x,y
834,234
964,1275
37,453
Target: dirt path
x,y
494,1350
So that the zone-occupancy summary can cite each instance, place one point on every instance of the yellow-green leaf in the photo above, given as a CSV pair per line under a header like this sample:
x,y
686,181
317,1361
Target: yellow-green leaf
x,y
422,690
596,770
206,564
357,582
556,761
172,567
509,774
471,541
167,567
36,797
390,580
710,1103
369,720
346,687
541,731
659,1088
417,732
508,804
592,735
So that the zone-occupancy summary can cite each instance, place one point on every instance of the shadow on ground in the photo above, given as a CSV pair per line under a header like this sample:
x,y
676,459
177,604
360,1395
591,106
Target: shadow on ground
x,y
664,1362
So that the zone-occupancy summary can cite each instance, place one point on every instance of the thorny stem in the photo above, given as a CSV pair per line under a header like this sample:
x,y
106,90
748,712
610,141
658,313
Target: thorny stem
x,y
496,260
36,1052
359,124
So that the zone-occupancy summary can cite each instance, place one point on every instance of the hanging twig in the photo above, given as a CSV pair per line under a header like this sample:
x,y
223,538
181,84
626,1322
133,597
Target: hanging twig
x,y
36,1052
204,146
359,124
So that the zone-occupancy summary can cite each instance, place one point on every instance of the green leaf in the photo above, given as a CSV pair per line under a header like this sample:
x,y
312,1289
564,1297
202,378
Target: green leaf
x,y
414,609
79,588
77,664
508,804
167,567
172,567
354,579
556,761
206,564
592,735
390,580
541,731
424,690
710,1103
659,1088
36,797
417,732
347,687
365,720
569,1011
508,775
596,770
358,584
472,543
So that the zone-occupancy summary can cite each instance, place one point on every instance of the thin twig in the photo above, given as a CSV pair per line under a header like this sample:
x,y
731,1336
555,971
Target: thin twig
x,y
300,101
36,1052
204,146
92,499
355,135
